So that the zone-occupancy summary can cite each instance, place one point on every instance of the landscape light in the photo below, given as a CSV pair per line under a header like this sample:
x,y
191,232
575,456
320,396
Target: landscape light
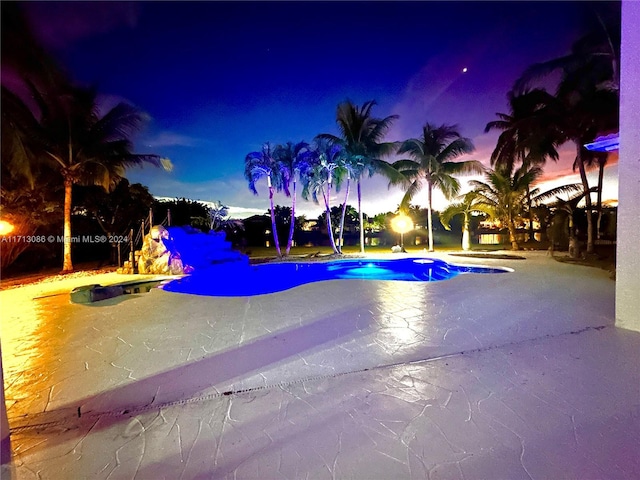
x,y
5,227
402,224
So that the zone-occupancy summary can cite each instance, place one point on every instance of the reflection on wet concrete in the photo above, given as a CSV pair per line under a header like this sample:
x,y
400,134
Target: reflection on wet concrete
x,y
350,378
32,334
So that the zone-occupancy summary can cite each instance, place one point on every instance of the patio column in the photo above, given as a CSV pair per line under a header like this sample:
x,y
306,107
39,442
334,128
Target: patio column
x,y
628,235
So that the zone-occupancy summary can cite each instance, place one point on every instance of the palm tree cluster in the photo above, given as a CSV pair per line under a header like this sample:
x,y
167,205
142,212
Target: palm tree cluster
x,y
584,105
331,162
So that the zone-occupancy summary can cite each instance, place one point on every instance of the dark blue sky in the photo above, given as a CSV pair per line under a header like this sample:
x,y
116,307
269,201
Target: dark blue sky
x,y
220,78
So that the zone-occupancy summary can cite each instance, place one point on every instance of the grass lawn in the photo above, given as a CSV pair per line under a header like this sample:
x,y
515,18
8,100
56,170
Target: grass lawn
x,y
270,252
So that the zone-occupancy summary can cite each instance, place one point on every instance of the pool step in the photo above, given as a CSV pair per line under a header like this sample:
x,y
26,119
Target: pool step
x,y
96,293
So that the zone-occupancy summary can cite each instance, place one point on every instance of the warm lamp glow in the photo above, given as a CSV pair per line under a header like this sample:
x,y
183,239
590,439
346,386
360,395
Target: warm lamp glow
x,y
401,223
5,227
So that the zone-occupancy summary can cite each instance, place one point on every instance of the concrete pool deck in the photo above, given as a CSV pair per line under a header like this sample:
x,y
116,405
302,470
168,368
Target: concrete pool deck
x,y
517,375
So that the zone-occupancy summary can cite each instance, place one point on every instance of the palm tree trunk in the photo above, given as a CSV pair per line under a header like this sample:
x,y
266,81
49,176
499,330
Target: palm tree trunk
x,y
328,218
67,265
360,217
293,220
344,213
273,223
587,196
600,180
429,217
529,202
466,235
512,236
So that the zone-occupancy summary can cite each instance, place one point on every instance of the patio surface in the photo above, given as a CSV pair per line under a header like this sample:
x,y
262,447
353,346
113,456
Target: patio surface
x,y
489,376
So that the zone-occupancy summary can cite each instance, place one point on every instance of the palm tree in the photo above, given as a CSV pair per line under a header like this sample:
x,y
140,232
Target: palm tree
x,y
219,219
350,169
526,137
58,126
502,195
361,138
293,159
318,180
433,165
584,115
587,97
68,133
466,205
263,164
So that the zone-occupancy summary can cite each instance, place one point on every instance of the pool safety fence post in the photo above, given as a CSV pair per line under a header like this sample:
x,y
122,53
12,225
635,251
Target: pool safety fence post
x,y
168,217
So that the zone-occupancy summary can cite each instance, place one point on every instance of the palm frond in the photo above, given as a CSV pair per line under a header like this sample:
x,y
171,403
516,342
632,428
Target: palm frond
x,y
543,69
554,192
456,148
412,191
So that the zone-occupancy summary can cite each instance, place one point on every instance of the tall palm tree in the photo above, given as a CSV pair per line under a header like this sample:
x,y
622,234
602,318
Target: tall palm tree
x,y
466,205
68,132
503,193
351,169
56,126
432,165
583,116
293,159
526,136
324,171
361,137
263,164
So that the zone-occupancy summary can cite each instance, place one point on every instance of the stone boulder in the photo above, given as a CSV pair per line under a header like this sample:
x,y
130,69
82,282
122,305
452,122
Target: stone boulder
x,y
180,250
157,255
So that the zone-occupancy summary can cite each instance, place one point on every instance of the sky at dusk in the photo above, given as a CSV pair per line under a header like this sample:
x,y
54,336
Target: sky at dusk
x,y
218,79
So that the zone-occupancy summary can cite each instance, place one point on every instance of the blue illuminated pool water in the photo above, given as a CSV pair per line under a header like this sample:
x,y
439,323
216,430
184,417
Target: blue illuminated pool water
x,y
233,280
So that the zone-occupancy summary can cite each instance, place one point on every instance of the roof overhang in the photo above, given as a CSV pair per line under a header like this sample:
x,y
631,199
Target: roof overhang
x,y
607,143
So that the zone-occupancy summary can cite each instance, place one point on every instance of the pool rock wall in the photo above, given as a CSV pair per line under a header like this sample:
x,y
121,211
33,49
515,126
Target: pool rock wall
x,y
180,250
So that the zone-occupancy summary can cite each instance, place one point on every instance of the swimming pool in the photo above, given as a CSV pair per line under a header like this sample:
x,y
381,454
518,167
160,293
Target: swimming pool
x,y
239,280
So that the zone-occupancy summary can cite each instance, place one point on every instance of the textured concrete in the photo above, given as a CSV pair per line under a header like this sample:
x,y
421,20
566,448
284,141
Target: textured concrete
x,y
518,375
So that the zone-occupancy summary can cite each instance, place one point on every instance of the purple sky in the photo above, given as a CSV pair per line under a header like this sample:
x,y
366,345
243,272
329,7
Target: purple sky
x,y
220,78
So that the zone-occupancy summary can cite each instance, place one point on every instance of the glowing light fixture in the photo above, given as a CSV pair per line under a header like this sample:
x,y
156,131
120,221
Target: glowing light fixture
x,y
402,224
5,227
